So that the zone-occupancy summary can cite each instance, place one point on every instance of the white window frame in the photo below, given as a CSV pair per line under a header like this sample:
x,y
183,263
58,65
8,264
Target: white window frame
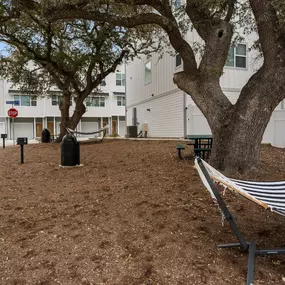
x,y
235,55
57,99
90,101
120,81
121,101
147,80
32,100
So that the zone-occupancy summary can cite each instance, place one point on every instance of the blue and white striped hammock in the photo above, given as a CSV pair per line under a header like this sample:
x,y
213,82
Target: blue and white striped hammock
x,y
270,195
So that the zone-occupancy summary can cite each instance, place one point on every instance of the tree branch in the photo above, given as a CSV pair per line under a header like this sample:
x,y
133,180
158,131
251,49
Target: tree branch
x,y
231,9
169,25
270,33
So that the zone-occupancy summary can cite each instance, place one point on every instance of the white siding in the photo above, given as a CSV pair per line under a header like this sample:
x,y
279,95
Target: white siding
x,y
2,128
162,78
232,95
165,118
2,98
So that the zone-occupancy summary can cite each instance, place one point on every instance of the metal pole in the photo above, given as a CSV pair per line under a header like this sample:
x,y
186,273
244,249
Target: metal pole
x,y
13,127
250,266
22,153
125,65
185,109
13,121
3,142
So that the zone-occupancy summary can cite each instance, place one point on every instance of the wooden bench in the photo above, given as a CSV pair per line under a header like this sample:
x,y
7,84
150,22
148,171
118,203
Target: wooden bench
x,y
180,147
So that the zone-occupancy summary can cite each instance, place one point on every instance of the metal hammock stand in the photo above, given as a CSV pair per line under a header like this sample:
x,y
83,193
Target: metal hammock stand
x,y
104,130
266,194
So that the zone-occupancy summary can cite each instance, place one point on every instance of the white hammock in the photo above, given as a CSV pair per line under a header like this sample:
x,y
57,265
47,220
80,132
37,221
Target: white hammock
x,y
104,129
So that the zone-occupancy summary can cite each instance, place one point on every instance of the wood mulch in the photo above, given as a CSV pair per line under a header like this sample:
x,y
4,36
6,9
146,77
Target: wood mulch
x,y
133,215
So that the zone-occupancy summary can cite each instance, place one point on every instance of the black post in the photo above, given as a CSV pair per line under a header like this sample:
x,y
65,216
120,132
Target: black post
x,y
250,266
21,142
22,153
4,136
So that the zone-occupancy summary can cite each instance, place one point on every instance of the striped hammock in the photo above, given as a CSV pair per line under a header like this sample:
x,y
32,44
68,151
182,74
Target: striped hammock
x,y
270,195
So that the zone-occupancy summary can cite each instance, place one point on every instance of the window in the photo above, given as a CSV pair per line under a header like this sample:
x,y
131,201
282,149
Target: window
x,y
178,60
121,101
26,100
120,79
33,101
56,100
103,82
147,72
95,101
237,56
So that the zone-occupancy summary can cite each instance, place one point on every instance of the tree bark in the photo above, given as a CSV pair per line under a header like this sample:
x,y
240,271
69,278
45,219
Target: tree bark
x,y
237,128
236,144
66,120
64,110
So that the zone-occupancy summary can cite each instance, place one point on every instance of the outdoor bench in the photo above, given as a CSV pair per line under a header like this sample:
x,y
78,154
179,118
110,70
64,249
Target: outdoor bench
x,y
180,147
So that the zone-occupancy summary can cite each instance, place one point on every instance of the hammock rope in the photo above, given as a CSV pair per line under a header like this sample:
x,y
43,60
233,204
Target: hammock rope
x,y
266,194
104,130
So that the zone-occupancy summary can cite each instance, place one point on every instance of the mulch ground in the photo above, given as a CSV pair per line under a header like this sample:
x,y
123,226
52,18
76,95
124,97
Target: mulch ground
x,y
134,214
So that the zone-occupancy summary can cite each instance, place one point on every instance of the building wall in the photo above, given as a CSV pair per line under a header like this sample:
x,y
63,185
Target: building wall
x,y
169,109
163,114
171,113
163,69
46,115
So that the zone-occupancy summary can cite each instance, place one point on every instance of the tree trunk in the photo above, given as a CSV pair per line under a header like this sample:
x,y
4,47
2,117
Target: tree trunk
x,y
66,120
237,129
64,110
238,132
236,146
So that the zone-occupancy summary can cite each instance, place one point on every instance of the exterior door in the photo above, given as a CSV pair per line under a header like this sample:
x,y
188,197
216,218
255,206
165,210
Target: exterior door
x,y
50,126
105,123
39,129
114,127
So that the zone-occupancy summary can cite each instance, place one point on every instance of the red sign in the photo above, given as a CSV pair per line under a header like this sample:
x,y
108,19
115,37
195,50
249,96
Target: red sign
x,y
12,113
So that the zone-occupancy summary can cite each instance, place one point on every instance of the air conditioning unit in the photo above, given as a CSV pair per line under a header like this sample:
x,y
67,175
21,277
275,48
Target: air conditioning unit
x,y
132,131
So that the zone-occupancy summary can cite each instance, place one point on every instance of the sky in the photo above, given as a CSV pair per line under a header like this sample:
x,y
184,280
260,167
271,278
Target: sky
x,y
3,50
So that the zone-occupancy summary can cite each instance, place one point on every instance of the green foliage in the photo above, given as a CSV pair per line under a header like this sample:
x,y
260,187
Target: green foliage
x,y
74,55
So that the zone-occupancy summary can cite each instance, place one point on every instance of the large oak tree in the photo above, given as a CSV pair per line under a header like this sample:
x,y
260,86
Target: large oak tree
x,y
237,128
73,55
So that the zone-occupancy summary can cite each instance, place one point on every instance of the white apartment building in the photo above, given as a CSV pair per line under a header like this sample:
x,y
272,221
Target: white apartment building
x,y
106,106
166,111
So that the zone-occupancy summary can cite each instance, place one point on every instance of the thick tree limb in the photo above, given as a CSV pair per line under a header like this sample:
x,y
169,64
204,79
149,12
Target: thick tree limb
x,y
231,8
270,34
